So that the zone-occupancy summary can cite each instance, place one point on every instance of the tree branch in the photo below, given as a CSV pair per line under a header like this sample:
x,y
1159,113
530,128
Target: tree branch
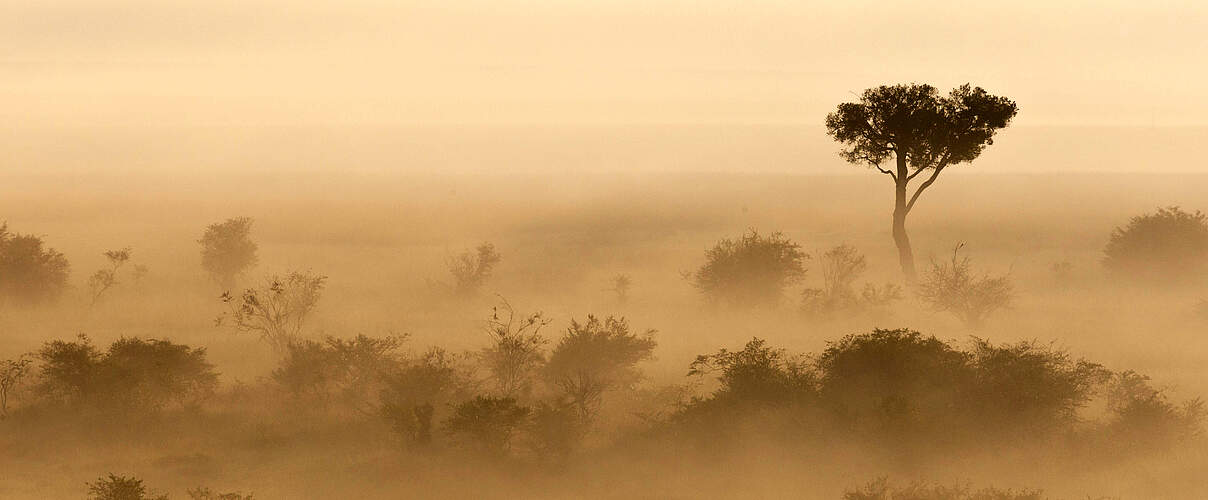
x,y
930,180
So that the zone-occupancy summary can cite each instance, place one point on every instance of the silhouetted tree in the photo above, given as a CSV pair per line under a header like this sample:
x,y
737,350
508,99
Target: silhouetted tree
x,y
277,310
350,372
750,270
758,373
106,278
115,487
516,352
227,250
923,132
841,267
1171,244
953,287
12,373
29,272
595,357
471,270
621,284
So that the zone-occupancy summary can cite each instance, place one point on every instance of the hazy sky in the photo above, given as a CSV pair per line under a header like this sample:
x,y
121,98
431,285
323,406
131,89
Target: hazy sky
x,y
138,62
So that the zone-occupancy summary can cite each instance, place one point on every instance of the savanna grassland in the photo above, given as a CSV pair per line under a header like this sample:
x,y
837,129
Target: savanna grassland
x,y
564,228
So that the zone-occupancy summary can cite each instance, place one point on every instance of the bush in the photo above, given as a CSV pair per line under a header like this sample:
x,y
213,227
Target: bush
x,y
841,267
349,372
276,310
227,250
416,390
30,273
1143,417
516,353
132,375
952,287
1169,244
471,270
201,493
116,487
881,490
487,423
596,357
751,270
758,373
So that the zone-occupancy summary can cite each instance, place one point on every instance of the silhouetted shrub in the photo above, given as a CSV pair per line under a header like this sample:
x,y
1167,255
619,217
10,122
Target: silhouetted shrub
x,y
621,284
471,270
1143,417
114,487
202,493
276,310
556,429
751,270
12,374
953,287
29,272
1168,244
880,489
893,380
758,373
1029,387
106,278
227,250
133,374
486,423
415,391
595,357
350,373
516,351
841,267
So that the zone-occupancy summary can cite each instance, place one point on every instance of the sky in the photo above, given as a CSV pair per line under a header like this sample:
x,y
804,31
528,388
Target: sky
x,y
262,62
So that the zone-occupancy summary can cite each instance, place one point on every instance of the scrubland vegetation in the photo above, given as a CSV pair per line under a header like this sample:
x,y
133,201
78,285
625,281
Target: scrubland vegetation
x,y
751,364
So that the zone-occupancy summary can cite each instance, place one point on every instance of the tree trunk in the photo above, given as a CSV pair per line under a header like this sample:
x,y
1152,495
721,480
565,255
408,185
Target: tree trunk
x,y
905,253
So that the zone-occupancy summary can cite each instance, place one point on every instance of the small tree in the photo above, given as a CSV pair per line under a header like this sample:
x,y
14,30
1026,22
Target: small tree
x,y
115,487
12,373
751,270
516,351
621,284
106,278
278,309
350,372
953,287
414,392
29,272
471,270
227,250
596,357
487,423
841,267
1168,244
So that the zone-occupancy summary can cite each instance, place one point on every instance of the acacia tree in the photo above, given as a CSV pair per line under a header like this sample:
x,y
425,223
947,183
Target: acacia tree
x,y
923,132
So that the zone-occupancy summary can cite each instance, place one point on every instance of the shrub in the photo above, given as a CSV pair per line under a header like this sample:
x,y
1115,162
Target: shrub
x,y
106,278
841,267
276,310
880,489
227,250
1168,244
751,270
202,493
953,287
892,379
758,373
133,374
471,270
595,357
348,372
29,272
516,351
413,392
12,373
487,423
116,487
1144,417
621,284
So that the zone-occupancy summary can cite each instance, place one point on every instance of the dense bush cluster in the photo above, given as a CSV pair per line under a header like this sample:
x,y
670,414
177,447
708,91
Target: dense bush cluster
x,y
30,272
1170,244
750,270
